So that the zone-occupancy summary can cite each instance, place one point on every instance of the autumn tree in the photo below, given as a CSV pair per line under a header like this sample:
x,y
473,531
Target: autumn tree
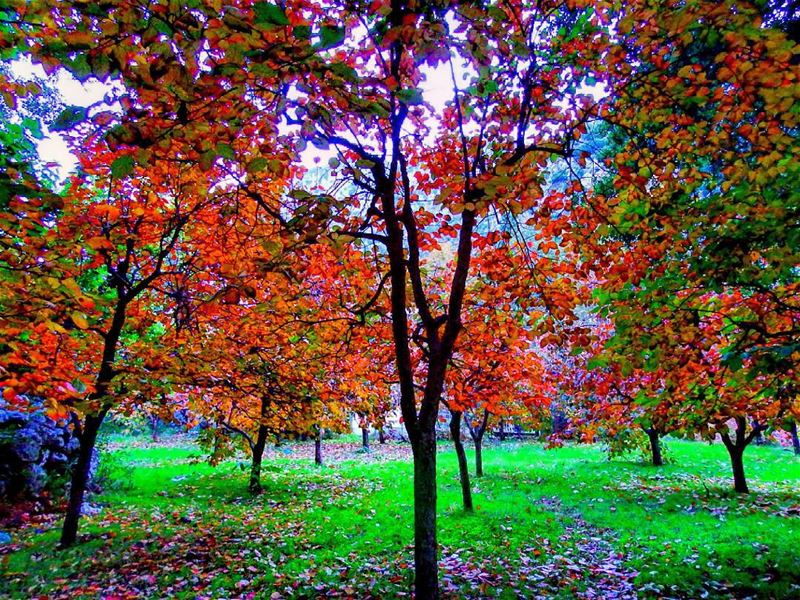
x,y
483,158
696,225
497,370
91,282
272,356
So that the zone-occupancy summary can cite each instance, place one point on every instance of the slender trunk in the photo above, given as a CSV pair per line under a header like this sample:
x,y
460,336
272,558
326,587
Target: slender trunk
x,y
80,478
365,438
795,438
91,425
758,439
463,470
421,427
154,428
655,446
258,447
258,456
381,436
477,438
426,580
502,430
737,462
736,449
318,446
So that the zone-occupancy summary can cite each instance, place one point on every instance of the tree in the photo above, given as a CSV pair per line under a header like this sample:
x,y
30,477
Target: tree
x,y
273,356
486,154
496,368
696,225
91,285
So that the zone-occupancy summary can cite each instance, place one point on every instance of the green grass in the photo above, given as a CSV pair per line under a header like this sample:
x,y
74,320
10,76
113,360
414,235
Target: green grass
x,y
545,523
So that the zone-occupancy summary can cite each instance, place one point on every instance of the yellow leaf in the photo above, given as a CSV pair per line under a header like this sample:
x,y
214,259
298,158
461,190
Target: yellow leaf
x,y
80,320
53,326
72,286
98,242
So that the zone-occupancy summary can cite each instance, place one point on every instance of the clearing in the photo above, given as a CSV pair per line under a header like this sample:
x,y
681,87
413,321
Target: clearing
x,y
563,522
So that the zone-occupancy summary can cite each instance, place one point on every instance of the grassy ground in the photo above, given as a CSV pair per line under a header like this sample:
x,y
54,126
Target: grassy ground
x,y
549,523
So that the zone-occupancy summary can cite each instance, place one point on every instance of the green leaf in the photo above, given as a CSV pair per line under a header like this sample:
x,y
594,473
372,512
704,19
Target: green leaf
x,y
79,67
225,151
122,166
207,159
410,96
257,164
34,127
162,26
344,71
597,362
69,117
267,13
733,360
300,194
301,32
330,36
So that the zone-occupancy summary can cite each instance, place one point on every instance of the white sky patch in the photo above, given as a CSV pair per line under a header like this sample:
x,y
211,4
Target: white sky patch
x,y
437,87
53,148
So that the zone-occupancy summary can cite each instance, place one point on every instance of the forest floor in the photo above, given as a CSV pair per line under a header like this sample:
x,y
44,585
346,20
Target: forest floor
x,y
562,523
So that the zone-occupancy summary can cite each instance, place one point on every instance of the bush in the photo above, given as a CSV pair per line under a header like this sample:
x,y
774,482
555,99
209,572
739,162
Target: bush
x,y
35,456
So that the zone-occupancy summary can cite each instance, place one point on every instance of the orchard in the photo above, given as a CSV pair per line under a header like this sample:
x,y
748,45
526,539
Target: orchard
x,y
554,236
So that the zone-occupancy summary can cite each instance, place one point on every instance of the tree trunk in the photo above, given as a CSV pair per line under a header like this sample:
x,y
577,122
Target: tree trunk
x,y
655,446
463,470
154,428
91,425
502,430
795,438
258,455
80,478
479,457
365,439
759,438
426,580
381,436
421,426
318,446
477,439
737,462
736,449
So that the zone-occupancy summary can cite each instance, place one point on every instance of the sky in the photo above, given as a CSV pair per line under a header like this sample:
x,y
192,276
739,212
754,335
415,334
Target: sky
x,y
53,148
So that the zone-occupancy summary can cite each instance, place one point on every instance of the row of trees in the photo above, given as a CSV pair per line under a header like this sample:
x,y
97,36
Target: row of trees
x,y
603,208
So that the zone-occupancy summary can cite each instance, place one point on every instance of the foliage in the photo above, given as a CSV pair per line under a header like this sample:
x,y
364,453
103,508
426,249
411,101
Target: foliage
x,y
633,440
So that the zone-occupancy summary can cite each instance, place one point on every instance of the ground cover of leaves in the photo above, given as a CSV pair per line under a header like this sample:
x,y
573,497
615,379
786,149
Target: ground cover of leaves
x,y
548,523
